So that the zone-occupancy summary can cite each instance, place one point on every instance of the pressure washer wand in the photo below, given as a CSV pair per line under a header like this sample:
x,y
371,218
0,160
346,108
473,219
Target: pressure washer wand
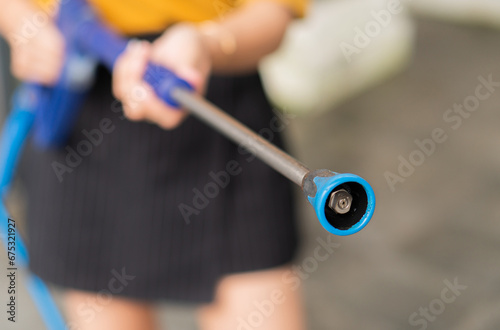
x,y
242,135
344,203
339,201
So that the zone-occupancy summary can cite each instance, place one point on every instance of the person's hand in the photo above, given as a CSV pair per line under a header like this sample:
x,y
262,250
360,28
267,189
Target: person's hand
x,y
180,49
39,57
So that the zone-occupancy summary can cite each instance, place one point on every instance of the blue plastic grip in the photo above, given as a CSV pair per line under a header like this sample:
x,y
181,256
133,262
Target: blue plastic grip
x,y
324,187
93,38
97,40
84,33
164,82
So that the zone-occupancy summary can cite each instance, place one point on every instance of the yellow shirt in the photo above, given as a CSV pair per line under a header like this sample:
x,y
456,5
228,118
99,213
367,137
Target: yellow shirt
x,y
146,16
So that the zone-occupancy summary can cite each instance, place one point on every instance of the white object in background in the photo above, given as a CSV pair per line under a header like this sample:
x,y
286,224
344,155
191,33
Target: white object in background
x,y
481,12
340,49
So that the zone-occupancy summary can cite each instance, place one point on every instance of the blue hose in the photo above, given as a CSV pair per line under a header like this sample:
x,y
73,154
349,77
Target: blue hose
x,y
16,129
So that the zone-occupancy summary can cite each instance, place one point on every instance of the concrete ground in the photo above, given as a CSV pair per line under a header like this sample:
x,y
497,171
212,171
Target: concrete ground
x,y
432,251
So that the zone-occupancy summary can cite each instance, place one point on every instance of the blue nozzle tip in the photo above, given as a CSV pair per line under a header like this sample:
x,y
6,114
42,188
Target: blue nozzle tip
x,y
362,208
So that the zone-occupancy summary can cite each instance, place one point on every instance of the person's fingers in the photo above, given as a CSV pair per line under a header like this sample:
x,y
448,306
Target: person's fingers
x,y
158,112
138,98
39,62
137,60
144,104
194,76
121,68
29,68
189,59
135,102
18,60
47,68
55,61
51,45
128,85
17,71
147,106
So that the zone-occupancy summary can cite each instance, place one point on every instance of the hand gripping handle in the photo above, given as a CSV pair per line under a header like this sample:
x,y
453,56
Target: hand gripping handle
x,y
164,82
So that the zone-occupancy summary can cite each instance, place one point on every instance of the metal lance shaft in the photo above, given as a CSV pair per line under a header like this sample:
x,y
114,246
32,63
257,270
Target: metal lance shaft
x,y
340,201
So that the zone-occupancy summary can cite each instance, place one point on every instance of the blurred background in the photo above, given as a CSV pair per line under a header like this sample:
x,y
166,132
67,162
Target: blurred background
x,y
363,86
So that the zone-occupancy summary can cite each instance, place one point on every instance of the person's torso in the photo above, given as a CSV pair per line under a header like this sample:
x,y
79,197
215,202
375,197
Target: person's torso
x,y
139,17
149,16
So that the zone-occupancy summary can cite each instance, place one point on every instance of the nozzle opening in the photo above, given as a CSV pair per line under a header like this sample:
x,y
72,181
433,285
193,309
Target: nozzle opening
x,y
357,211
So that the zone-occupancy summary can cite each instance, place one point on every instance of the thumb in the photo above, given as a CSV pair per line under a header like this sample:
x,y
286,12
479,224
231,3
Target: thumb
x,y
195,77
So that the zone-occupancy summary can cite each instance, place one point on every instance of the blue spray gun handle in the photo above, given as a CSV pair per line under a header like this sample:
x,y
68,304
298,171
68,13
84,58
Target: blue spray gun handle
x,y
162,80
100,42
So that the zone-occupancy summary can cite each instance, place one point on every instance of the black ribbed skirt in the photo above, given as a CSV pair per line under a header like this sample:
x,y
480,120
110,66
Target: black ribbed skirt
x,y
145,213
